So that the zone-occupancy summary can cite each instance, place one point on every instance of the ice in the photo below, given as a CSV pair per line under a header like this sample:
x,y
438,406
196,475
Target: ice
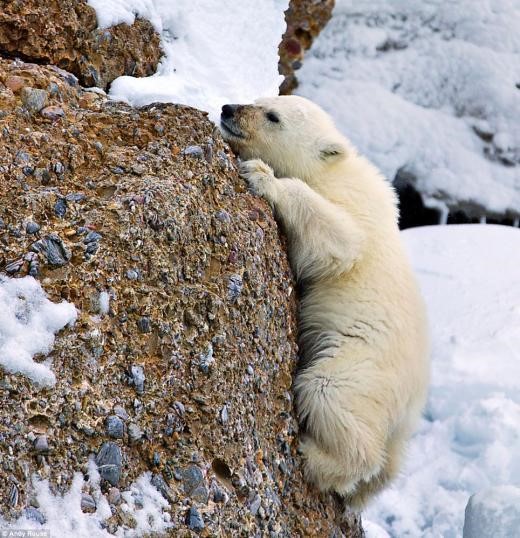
x,y
412,83
216,52
469,439
28,323
493,513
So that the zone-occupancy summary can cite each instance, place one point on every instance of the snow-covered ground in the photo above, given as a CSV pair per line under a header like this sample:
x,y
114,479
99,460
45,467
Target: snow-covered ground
x,y
469,439
412,82
28,323
216,52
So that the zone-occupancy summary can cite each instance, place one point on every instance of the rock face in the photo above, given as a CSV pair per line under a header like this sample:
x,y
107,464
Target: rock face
x,y
180,361
305,20
64,33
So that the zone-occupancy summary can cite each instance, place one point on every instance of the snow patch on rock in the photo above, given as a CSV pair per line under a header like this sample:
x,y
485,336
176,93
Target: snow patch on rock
x,y
215,52
28,324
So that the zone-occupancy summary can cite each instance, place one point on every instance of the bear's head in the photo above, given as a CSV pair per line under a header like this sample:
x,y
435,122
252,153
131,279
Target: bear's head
x,y
291,134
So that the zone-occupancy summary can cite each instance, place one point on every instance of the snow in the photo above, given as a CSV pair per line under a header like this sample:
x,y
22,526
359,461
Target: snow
x,y
215,52
64,517
493,513
28,323
410,83
469,439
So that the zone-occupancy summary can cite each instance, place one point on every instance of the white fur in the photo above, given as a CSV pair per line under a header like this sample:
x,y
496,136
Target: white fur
x,y
363,338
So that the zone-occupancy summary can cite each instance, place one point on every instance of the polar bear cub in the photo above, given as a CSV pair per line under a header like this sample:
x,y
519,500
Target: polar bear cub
x,y
362,376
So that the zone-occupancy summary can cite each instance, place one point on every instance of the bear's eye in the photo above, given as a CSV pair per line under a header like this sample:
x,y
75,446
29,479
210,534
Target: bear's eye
x,y
271,116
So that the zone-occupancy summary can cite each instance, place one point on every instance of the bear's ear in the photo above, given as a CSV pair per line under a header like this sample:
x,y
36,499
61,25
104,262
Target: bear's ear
x,y
330,151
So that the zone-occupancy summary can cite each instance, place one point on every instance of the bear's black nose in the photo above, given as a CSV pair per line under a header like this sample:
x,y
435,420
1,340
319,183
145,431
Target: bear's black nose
x,y
228,111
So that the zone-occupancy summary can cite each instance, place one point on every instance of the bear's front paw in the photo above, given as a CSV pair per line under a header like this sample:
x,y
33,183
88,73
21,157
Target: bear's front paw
x,y
260,178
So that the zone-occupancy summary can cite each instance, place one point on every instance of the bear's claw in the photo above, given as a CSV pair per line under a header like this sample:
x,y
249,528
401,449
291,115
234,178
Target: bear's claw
x,y
259,176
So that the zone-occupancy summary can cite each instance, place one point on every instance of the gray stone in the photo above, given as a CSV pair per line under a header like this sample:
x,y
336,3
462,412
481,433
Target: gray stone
x,y
144,324
109,461
120,412
138,378
235,286
60,207
194,151
88,504
115,427
33,99
34,515
53,248
193,483
135,433
161,485
114,496
32,227
41,445
194,519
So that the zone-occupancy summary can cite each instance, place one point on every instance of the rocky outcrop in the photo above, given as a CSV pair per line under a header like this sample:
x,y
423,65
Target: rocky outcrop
x,y
305,20
64,33
180,361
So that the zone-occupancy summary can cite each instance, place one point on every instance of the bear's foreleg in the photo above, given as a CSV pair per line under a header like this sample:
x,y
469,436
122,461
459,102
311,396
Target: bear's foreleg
x,y
324,240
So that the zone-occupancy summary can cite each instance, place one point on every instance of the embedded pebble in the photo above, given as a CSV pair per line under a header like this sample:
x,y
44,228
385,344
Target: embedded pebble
x,y
194,151
14,266
92,237
206,359
194,519
88,504
235,286
41,445
52,112
132,274
60,208
13,495
138,378
219,495
15,83
193,483
223,216
75,197
224,415
54,250
159,482
115,427
134,433
59,168
114,496
255,504
33,99
120,412
21,157
34,515
144,324
32,227
109,461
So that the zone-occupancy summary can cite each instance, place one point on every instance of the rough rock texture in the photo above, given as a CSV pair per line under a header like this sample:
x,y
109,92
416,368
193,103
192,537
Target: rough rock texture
x,y
305,20
180,362
65,33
